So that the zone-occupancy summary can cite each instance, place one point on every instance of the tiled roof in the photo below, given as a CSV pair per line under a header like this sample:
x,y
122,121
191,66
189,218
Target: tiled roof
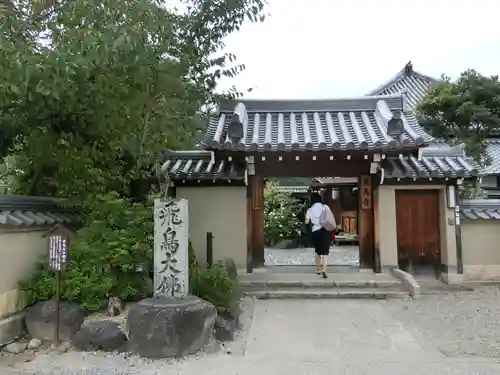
x,y
493,151
34,211
412,84
480,209
366,123
293,189
336,180
433,162
198,165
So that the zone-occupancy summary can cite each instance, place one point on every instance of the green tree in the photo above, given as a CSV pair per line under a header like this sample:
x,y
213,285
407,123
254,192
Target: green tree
x,y
91,91
464,111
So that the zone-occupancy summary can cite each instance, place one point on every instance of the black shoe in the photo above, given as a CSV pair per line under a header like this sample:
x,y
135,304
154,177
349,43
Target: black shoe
x,y
323,275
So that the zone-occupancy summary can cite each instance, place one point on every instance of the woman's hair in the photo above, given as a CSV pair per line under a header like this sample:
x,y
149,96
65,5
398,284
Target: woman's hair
x,y
315,198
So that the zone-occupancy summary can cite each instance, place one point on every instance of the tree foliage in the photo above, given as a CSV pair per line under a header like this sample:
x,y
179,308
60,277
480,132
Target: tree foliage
x,y
465,111
92,91
111,256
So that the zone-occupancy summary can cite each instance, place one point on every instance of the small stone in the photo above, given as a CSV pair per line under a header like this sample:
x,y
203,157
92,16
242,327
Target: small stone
x,y
34,344
230,267
286,243
16,347
224,329
115,306
61,347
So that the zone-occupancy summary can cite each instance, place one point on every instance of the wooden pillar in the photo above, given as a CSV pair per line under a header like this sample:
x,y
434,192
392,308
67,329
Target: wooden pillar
x,y
376,228
366,223
257,212
249,228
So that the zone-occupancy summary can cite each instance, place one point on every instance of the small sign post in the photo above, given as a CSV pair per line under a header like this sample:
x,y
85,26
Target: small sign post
x,y
59,241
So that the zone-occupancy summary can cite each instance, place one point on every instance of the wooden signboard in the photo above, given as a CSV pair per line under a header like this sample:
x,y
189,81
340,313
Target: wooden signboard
x,y
59,242
366,193
58,249
257,192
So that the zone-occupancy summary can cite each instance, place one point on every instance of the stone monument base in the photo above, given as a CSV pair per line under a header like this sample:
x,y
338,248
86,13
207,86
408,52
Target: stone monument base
x,y
170,327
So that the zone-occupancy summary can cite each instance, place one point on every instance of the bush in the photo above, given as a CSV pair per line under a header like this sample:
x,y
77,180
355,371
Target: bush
x,y
213,284
281,214
111,256
469,191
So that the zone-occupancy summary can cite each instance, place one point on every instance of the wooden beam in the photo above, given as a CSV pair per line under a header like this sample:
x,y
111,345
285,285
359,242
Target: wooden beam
x,y
312,168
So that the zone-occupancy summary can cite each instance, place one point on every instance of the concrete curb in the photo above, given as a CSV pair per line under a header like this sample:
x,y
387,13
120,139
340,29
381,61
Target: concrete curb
x,y
409,282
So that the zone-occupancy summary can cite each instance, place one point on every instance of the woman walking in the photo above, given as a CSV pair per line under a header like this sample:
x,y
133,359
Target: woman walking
x,y
321,237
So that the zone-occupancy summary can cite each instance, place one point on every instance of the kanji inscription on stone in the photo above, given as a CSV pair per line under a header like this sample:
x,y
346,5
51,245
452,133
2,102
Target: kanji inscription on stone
x,y
171,241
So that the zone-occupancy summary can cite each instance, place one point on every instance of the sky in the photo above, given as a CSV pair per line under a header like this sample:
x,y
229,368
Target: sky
x,y
332,48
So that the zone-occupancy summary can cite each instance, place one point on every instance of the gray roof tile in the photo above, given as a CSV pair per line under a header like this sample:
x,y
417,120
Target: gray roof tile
x,y
412,84
433,162
366,123
198,165
335,180
480,209
35,211
493,150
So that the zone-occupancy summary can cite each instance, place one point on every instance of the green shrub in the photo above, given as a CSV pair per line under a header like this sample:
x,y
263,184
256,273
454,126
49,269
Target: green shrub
x,y
213,284
469,191
111,256
193,263
281,212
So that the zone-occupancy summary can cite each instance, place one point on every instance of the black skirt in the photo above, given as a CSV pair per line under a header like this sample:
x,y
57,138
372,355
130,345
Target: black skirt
x,y
321,240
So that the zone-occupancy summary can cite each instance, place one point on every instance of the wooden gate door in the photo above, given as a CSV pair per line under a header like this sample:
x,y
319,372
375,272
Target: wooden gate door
x,y
417,222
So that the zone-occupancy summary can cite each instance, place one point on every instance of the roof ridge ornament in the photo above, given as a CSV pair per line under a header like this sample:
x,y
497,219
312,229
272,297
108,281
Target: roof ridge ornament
x,y
235,128
408,68
395,126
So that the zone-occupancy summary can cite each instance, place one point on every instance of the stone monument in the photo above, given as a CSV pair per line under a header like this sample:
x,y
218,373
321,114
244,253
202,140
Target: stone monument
x,y
171,242
172,323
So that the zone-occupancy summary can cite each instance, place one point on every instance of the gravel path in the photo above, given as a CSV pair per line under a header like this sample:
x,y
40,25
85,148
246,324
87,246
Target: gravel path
x,y
460,324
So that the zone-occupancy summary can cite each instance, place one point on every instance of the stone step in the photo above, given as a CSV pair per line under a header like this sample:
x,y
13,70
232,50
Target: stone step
x,y
321,293
317,284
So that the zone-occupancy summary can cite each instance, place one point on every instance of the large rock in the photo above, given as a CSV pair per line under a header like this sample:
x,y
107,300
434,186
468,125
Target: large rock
x,y
166,328
41,320
105,335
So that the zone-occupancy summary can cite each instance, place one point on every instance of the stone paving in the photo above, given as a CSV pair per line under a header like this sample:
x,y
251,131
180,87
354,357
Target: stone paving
x,y
452,334
344,255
